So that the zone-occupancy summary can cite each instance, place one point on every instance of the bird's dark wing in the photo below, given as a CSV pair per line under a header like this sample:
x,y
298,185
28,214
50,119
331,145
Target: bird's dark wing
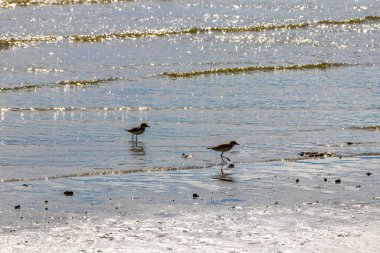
x,y
132,130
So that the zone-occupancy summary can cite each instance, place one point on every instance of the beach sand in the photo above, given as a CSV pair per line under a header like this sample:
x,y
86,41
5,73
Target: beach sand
x,y
263,207
174,228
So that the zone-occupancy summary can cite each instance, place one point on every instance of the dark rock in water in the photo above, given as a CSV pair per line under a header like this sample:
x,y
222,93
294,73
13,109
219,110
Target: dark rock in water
x,y
231,165
325,179
338,181
26,185
317,154
46,201
358,186
276,203
297,180
195,196
68,193
17,207
349,143
368,173
369,128
46,208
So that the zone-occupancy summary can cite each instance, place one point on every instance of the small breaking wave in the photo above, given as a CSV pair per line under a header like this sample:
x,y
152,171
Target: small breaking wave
x,y
73,109
21,3
103,172
349,21
129,35
367,128
193,30
86,82
31,87
7,42
246,69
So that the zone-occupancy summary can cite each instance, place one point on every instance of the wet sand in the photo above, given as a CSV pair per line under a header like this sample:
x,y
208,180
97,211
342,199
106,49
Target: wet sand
x,y
317,205
312,228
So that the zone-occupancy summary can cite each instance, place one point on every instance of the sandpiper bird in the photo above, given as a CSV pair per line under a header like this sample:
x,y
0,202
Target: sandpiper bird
x,y
224,148
137,130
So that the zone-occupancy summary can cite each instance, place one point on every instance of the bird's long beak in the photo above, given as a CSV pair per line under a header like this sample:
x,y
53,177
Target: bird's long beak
x,y
148,126
237,143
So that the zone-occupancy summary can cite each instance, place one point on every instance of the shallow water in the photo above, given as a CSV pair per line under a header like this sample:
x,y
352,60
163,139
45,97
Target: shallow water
x,y
65,101
259,185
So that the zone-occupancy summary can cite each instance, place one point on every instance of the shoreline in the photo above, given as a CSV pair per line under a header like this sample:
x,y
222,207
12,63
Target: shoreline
x,y
100,171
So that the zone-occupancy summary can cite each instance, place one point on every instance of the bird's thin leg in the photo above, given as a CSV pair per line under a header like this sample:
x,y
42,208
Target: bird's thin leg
x,y
221,170
132,137
221,155
135,142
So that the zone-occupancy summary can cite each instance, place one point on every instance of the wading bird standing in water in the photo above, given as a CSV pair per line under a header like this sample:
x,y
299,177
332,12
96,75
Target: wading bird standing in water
x,y
224,148
137,130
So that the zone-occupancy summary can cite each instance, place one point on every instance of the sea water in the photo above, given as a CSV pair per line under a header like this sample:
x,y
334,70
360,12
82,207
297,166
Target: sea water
x,y
278,77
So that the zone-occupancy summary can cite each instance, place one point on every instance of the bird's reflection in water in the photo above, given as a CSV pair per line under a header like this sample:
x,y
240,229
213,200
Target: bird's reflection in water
x,y
223,176
137,148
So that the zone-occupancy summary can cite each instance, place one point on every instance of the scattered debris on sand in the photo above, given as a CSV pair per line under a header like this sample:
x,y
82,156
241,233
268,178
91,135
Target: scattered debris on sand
x,y
68,193
318,154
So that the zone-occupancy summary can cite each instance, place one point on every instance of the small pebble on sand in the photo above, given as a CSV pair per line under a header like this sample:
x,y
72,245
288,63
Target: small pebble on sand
x,y
68,193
